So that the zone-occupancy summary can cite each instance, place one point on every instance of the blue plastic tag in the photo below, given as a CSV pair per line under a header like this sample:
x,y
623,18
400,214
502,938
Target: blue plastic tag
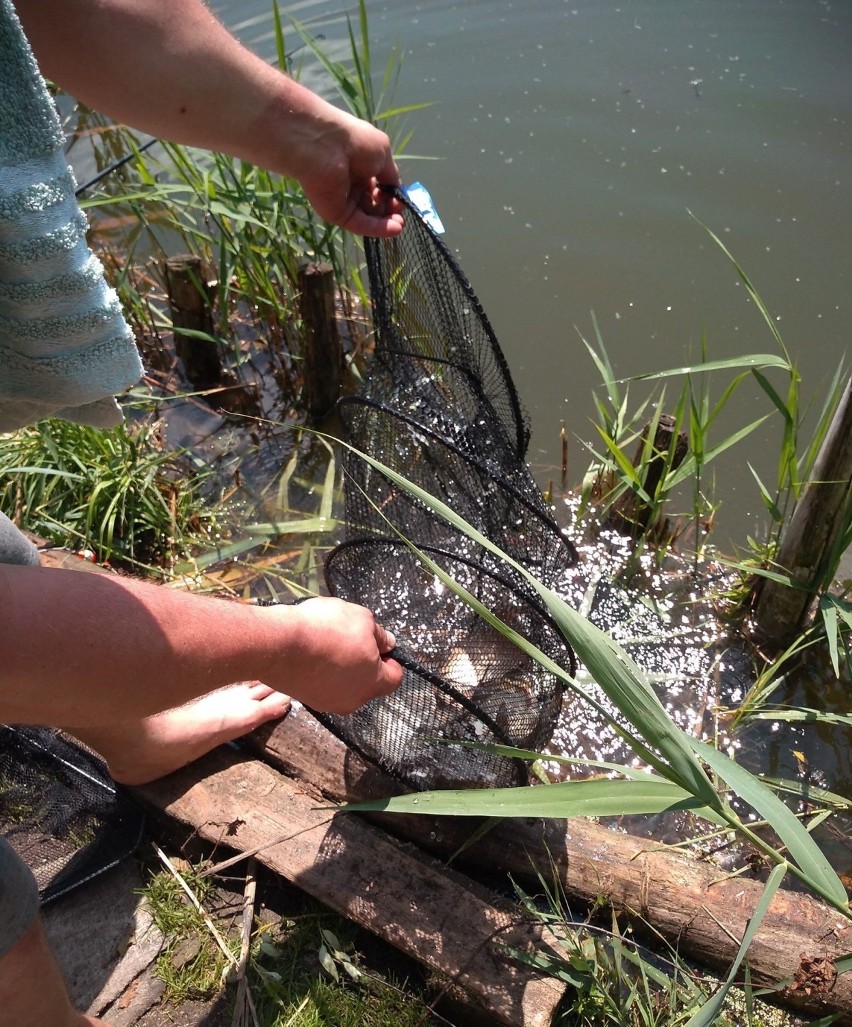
x,y
419,196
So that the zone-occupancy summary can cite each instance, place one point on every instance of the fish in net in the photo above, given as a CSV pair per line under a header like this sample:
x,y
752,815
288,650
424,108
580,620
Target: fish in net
x,y
60,810
438,406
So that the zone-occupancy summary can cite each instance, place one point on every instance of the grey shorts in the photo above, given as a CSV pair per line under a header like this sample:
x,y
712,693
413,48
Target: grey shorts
x,y
19,899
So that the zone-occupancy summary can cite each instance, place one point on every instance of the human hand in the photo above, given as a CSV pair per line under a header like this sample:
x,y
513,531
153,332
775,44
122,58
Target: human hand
x,y
338,656
345,169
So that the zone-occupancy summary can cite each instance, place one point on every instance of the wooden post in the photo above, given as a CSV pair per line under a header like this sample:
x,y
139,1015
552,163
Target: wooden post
x,y
323,355
629,513
780,610
191,304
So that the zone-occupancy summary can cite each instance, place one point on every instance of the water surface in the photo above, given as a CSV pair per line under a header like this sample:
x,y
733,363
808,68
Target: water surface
x,y
571,141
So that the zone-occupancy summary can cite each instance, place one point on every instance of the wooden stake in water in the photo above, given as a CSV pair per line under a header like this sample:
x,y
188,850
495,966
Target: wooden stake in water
x,y
190,293
323,365
810,536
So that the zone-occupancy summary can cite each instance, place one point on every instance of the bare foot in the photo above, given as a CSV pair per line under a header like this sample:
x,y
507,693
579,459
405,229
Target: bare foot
x,y
141,751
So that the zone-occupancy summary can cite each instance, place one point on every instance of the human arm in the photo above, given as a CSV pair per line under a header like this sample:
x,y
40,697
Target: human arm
x,y
88,649
169,68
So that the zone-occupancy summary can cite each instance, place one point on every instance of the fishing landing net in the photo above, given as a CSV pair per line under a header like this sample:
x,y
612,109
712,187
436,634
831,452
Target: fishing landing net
x,y
438,406
60,810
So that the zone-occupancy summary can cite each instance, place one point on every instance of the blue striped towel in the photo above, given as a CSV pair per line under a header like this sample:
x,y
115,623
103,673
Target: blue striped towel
x,y
65,348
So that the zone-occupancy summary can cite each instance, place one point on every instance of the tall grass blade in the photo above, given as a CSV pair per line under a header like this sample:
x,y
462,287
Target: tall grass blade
x,y
753,293
804,716
564,799
709,1012
801,846
751,361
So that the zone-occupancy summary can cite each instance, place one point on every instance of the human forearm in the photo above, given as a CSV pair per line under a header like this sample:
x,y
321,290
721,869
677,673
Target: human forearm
x,y
170,68
86,649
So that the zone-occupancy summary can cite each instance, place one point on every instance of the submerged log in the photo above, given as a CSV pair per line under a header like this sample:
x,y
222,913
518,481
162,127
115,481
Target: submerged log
x,y
436,916
699,908
781,610
630,513
190,294
323,356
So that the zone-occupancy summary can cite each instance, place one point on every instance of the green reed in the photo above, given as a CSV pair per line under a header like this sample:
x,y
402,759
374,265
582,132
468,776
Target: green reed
x,y
118,492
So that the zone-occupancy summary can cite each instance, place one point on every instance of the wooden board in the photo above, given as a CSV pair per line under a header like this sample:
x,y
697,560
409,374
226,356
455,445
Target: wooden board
x,y
700,909
393,890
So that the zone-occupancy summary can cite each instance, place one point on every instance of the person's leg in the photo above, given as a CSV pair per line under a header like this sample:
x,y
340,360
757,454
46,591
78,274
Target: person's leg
x,y
32,992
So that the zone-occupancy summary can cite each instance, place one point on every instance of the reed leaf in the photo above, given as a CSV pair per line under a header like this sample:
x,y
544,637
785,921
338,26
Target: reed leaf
x,y
803,715
304,526
750,360
596,797
709,1012
809,792
810,859
766,497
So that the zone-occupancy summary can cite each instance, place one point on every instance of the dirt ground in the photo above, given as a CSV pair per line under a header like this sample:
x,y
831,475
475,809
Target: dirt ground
x,y
107,945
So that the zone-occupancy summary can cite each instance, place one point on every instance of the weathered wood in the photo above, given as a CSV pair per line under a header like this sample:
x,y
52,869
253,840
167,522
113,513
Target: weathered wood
x,y
430,913
630,514
696,906
781,610
323,355
190,297
103,937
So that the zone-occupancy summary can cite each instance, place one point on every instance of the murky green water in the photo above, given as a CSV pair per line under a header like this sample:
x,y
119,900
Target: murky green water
x,y
570,141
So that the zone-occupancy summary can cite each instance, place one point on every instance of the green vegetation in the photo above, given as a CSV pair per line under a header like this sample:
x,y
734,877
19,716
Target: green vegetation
x,y
131,500
304,969
119,493
620,981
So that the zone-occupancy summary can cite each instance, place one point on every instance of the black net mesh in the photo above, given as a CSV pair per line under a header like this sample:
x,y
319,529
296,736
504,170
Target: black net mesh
x,y
60,810
438,406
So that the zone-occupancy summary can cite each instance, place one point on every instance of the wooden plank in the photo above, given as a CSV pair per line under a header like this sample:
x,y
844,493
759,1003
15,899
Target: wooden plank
x,y
426,911
695,905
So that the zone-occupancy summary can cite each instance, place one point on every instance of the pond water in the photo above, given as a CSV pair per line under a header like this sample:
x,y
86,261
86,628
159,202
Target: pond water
x,y
568,143
567,147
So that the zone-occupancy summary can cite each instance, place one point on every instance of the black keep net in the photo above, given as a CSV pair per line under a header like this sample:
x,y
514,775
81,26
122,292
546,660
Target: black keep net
x,y
60,810
439,407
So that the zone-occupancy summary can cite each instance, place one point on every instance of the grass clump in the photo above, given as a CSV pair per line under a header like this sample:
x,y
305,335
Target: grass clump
x,y
304,969
191,965
120,493
308,973
621,977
